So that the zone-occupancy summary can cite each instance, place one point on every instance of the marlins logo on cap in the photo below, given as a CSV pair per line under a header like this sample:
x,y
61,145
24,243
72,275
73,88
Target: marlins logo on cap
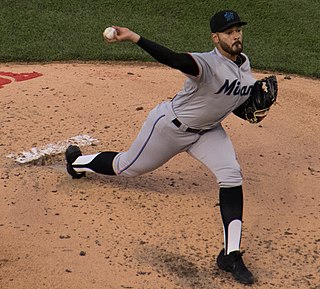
x,y
229,15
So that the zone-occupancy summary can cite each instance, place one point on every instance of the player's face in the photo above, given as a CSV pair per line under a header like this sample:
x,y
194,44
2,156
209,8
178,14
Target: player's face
x,y
229,41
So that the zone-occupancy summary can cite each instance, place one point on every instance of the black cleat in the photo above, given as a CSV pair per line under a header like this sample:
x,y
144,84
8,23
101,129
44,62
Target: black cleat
x,y
233,263
72,153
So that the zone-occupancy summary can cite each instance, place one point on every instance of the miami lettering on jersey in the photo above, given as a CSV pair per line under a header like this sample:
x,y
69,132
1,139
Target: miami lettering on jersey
x,y
234,88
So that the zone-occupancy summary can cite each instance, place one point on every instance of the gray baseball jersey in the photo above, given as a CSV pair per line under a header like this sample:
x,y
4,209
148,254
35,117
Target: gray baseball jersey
x,y
220,87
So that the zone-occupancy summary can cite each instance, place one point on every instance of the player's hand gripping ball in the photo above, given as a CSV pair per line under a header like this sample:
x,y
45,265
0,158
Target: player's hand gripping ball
x,y
109,34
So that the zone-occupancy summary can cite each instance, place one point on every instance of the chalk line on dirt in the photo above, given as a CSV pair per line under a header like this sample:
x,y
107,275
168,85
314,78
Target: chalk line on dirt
x,y
37,153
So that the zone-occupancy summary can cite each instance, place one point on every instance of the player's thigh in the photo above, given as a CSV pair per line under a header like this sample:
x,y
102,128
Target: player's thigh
x,y
215,150
157,142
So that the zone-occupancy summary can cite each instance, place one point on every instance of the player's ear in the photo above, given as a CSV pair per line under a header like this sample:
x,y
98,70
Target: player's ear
x,y
215,38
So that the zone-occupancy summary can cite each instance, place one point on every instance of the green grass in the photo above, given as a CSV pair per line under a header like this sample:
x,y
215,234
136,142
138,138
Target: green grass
x,y
281,35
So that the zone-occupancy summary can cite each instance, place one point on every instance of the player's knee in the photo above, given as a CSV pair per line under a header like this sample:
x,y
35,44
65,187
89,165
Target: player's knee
x,y
230,178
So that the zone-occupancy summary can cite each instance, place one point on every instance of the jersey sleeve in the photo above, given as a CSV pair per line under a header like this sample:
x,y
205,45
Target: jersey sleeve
x,y
206,69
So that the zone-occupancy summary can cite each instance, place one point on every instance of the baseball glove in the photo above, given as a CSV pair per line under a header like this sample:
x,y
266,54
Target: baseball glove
x,y
263,95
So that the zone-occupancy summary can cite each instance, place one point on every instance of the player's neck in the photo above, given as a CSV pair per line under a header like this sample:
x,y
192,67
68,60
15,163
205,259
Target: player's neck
x,y
232,57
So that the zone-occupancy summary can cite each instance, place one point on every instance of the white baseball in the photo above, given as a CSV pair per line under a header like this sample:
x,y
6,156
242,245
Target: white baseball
x,y
109,33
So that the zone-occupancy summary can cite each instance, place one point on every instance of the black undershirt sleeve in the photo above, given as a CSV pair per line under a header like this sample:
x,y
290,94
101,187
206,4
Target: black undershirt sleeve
x,y
181,61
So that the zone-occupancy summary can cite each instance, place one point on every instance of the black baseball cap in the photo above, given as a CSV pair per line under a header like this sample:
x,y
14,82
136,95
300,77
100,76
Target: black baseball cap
x,y
224,20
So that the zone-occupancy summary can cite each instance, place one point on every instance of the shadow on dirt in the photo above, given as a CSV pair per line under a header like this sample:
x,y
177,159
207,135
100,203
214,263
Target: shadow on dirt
x,y
180,269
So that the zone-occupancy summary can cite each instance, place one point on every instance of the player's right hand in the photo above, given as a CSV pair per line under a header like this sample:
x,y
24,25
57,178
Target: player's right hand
x,y
123,34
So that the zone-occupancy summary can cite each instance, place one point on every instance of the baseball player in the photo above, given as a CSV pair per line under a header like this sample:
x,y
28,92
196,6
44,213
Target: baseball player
x,y
217,82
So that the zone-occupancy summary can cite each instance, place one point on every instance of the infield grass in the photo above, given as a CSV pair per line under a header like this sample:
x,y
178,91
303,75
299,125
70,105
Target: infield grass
x,y
280,36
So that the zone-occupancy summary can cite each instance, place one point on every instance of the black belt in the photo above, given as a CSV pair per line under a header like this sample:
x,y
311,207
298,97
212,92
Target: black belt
x,y
177,123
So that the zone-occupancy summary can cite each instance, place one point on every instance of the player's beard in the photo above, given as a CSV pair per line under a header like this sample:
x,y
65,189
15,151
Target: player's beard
x,y
234,49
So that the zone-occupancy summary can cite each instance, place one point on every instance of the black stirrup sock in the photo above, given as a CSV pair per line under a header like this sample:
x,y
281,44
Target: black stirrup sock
x,y
102,163
231,208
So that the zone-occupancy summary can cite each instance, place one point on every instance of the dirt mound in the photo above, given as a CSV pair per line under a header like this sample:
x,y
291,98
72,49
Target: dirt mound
x,y
161,230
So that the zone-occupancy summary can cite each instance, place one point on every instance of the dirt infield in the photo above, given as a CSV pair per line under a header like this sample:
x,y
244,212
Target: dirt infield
x,y
161,230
